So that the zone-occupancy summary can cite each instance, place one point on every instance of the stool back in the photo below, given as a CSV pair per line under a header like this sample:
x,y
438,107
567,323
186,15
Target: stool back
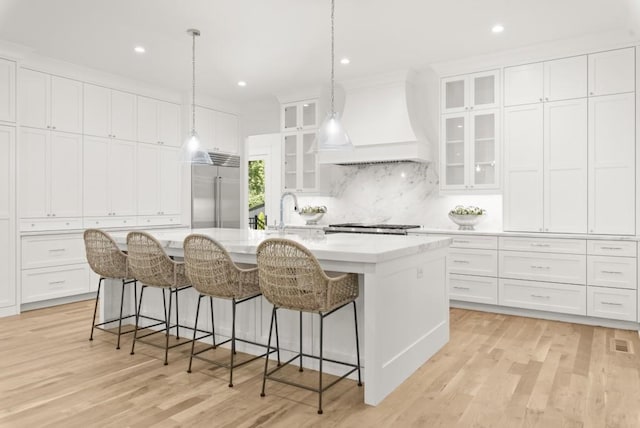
x,y
148,262
104,256
290,276
210,268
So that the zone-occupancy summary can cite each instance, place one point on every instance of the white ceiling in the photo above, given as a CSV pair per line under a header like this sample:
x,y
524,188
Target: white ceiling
x,y
280,45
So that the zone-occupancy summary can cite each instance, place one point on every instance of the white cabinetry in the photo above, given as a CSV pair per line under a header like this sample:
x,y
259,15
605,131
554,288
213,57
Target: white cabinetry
x,y
612,72
109,177
109,113
7,90
555,80
218,131
299,116
50,102
612,164
471,91
50,174
158,122
7,218
300,164
158,180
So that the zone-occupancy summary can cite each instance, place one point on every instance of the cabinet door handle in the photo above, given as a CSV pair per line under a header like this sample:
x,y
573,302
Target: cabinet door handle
x,y
53,215
471,108
546,98
540,296
540,99
48,126
461,288
611,272
590,93
612,303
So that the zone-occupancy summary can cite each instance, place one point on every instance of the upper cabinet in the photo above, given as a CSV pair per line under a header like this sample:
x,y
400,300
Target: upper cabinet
x,y
299,116
612,72
218,131
50,102
555,80
158,122
7,90
109,113
470,91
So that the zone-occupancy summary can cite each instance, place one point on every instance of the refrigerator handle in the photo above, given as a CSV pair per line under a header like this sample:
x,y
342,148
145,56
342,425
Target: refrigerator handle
x,y
219,201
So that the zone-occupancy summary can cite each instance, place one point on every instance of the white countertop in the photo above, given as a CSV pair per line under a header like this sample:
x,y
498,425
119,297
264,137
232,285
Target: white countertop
x,y
542,235
363,248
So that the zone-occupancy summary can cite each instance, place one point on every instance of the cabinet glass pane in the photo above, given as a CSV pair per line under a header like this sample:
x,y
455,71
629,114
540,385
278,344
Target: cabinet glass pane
x,y
454,94
308,162
454,143
484,148
484,90
309,114
290,117
290,161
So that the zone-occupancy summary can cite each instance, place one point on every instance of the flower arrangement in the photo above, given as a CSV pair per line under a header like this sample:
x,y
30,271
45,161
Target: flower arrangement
x,y
466,217
308,209
470,210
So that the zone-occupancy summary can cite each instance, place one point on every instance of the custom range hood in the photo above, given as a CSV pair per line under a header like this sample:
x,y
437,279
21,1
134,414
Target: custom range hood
x,y
382,116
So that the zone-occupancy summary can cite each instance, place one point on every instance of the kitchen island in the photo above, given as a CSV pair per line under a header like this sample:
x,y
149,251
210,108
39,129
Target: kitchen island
x,y
403,302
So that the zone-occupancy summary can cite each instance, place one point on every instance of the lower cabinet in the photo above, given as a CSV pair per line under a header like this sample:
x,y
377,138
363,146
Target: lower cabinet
x,y
478,289
543,296
54,266
612,303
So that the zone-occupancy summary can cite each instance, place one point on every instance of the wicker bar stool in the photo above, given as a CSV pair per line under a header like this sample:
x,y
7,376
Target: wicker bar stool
x,y
106,259
291,278
212,272
150,264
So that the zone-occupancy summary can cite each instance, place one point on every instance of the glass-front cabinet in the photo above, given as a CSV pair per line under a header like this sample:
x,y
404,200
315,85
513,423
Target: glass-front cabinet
x,y
470,92
300,162
469,150
299,116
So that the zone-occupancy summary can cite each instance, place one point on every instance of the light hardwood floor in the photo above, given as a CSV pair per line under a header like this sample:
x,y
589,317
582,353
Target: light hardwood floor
x,y
497,371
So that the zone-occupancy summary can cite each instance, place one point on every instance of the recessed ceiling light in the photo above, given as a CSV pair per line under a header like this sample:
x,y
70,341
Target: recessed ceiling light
x,y
242,83
345,61
498,28
139,49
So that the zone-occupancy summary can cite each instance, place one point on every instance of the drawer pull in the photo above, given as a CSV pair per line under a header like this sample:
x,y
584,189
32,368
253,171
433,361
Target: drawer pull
x,y
540,296
57,282
611,272
461,288
540,267
535,244
464,262
612,303
457,241
53,250
611,248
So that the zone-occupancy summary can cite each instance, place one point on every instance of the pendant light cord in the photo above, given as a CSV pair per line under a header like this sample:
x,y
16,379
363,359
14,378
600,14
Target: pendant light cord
x,y
193,84
333,6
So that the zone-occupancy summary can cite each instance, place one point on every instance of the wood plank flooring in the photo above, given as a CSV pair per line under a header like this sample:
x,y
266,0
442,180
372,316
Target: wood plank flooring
x,y
497,371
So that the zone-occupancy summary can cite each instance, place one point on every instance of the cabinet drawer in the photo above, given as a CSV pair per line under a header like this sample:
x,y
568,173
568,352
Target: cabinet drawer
x,y
159,220
611,248
611,303
479,242
617,272
34,225
569,268
473,262
479,289
543,245
105,222
51,283
543,296
53,250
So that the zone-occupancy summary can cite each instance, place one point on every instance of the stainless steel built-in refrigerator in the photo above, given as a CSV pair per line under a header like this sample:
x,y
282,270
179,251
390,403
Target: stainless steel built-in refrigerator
x,y
215,192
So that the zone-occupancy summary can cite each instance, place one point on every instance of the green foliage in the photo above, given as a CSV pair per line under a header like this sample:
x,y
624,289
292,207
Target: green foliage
x,y
256,183
262,221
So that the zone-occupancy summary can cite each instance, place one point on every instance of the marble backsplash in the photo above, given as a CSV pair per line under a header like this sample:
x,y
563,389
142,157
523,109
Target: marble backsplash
x,y
400,193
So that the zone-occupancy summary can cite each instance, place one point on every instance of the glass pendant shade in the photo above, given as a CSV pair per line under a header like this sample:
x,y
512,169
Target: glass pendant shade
x,y
192,151
332,136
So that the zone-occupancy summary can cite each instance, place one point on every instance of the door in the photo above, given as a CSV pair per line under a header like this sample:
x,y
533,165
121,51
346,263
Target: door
x,y
523,157
228,197
565,78
484,90
7,90
226,132
33,172
290,154
483,149
454,153
454,94
205,127
523,84
203,198
612,72
170,179
309,165
97,105
122,113
7,220
148,120
148,164
612,164
34,99
65,178
565,166
96,177
169,124
289,117
66,105
122,178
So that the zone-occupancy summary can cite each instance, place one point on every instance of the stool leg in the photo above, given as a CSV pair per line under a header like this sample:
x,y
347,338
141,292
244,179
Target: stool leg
x,y
233,339
177,317
195,330
120,320
213,324
135,331
266,358
300,369
95,308
167,319
355,317
277,340
320,375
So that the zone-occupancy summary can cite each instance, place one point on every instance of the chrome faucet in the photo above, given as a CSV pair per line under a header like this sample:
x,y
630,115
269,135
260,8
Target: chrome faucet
x,y
295,207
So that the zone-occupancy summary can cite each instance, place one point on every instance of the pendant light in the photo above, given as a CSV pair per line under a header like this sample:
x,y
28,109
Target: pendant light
x,y
331,135
192,151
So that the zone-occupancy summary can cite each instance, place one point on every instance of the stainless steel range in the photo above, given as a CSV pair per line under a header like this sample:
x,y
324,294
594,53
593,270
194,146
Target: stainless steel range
x,y
381,229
